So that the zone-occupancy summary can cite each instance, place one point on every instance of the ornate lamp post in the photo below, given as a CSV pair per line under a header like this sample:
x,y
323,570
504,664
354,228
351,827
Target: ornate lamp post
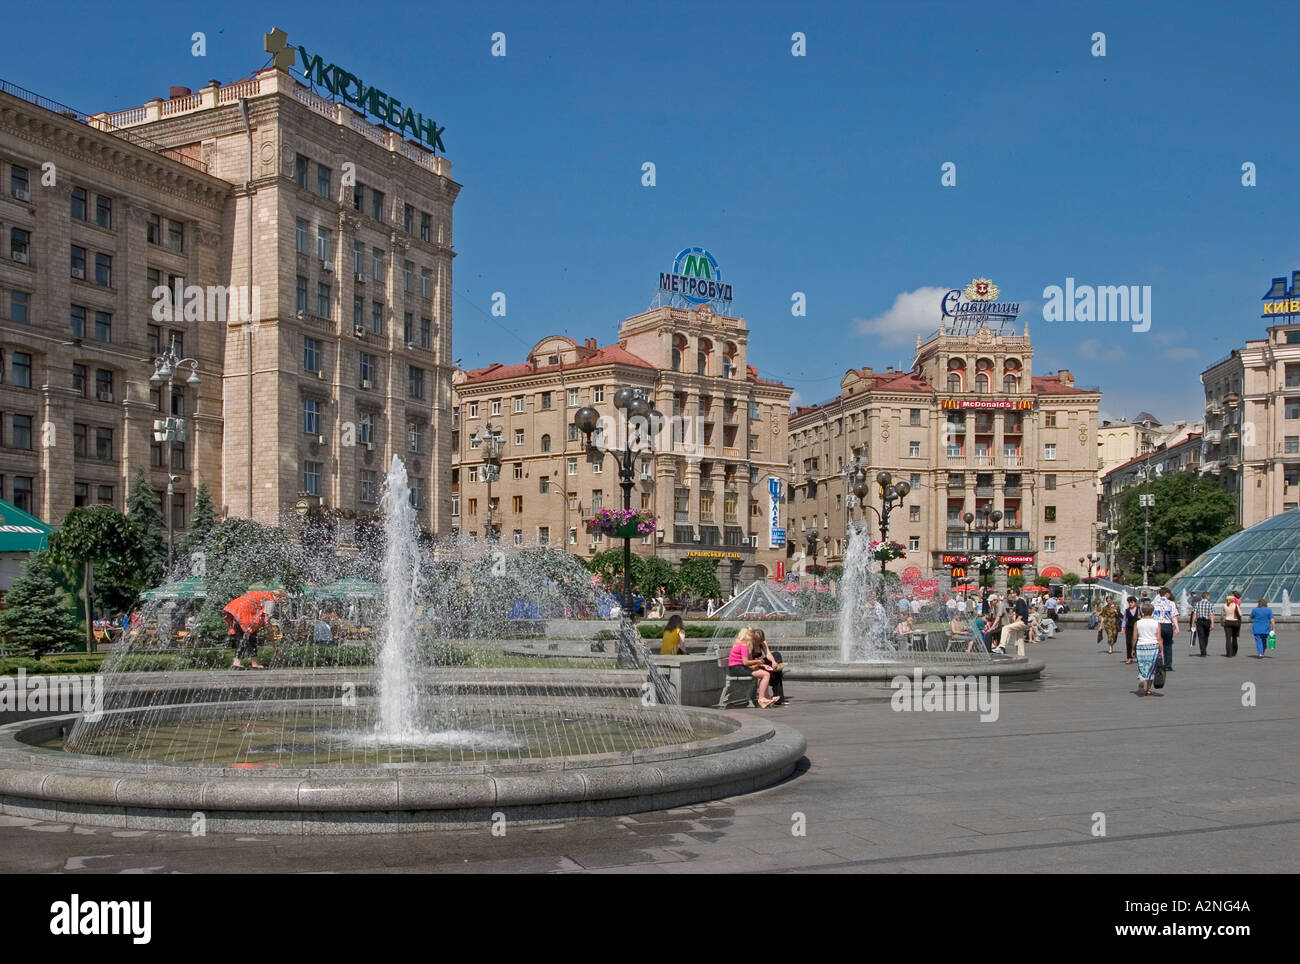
x,y
172,428
986,526
891,495
491,440
636,408
812,537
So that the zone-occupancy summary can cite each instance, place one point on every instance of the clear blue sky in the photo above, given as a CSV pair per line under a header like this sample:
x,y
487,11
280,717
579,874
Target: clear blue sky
x,y
818,174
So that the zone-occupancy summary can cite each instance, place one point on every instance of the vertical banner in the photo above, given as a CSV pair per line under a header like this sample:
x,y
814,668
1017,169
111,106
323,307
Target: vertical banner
x,y
776,535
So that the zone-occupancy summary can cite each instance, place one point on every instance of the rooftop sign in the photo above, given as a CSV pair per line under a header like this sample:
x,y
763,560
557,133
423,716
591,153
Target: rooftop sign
x,y
976,302
696,278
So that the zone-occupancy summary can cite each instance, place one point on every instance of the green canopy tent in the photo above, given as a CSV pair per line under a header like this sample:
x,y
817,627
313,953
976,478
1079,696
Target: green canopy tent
x,y
350,588
21,534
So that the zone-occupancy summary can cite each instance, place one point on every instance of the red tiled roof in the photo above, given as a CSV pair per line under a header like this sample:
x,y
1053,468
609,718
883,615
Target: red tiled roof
x,y
608,355
1049,385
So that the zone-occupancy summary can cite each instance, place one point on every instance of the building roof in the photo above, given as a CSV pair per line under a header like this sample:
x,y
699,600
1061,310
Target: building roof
x,y
1161,449
1260,562
607,355
20,531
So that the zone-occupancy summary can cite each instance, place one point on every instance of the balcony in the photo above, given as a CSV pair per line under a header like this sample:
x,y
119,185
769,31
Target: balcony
x,y
1231,431
985,460
983,491
1213,408
1013,461
1011,491
1232,400
1213,436
1213,467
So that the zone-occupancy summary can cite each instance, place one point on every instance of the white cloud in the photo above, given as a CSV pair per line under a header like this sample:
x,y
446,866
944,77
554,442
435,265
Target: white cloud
x,y
1092,349
796,399
913,313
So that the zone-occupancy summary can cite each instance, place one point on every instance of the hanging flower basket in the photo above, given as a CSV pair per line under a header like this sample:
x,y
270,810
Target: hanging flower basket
x,y
885,551
621,523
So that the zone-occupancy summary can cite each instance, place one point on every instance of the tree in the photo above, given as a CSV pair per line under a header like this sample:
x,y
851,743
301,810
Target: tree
x,y
241,553
656,572
608,565
1015,582
700,578
142,509
835,574
36,618
202,521
1191,515
103,543
1070,579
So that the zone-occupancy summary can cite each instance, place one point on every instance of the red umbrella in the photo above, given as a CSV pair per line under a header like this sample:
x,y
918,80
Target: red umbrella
x,y
967,589
1034,589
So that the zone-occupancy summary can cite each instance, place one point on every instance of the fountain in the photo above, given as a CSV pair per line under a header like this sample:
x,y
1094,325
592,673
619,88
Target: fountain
x,y
864,619
434,724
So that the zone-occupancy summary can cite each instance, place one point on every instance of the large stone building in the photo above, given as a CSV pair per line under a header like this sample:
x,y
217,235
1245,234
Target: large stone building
x,y
337,233
723,437
1120,442
969,426
1181,455
1251,444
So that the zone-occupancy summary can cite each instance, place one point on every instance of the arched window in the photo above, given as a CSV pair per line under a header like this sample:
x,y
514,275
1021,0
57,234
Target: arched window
x,y
677,359
546,443
982,382
1009,384
679,351
954,381
702,357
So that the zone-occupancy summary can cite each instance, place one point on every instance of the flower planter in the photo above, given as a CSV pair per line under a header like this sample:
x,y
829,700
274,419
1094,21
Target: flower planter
x,y
627,531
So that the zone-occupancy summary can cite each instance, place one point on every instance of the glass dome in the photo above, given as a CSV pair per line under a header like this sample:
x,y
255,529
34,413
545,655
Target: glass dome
x,y
1261,562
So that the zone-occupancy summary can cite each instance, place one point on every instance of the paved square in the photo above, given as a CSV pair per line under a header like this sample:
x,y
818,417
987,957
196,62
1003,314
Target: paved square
x,y
1188,781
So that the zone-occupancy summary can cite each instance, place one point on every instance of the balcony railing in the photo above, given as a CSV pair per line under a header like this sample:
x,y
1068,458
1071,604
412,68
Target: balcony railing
x,y
1231,431
985,461
1012,461
983,491
1213,436
1011,491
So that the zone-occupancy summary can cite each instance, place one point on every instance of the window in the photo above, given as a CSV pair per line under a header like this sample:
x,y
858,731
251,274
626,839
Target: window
x,y
23,492
598,394
415,382
546,401
517,504
377,271
915,481
366,426
1049,543
358,312
104,386
1049,420
408,218
104,444
546,443
496,406
311,474
18,305
377,205
415,436
597,500
573,537
1291,444
1049,481
914,450
366,369
323,177
300,294
175,235
377,317
153,229
1049,513
408,322
300,165
22,433
914,417
473,506
519,403
358,196
311,354
426,283
300,236
79,379
103,326
519,537
310,416
408,272
473,410
913,513
153,335
20,247
21,370
573,465
359,259
913,543
425,226
80,494
597,464
1049,452
543,535
19,184
1009,384
573,397
323,299
1292,408
324,243
78,259
753,442
473,473
78,206
519,472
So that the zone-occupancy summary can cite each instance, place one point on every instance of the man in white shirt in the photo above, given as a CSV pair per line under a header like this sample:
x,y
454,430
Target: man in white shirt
x,y
916,608
1165,612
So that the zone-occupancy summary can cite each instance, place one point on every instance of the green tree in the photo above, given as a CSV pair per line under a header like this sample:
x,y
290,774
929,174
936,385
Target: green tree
x,y
608,564
1016,582
103,542
1191,514
1070,579
142,509
699,577
242,553
36,618
202,521
835,574
656,572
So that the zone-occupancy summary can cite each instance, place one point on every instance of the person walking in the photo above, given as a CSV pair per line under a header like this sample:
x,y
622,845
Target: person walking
x,y
1166,614
1131,616
1261,624
1110,623
1231,625
1150,642
1204,612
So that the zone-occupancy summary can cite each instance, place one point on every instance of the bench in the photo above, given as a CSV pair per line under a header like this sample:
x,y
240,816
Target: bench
x,y
736,690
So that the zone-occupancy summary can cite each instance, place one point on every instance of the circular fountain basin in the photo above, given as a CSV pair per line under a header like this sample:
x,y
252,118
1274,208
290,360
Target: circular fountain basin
x,y
277,783
886,670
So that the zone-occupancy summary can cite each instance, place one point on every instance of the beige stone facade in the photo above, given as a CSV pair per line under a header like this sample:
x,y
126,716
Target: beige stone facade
x,y
724,435
77,333
1251,444
968,426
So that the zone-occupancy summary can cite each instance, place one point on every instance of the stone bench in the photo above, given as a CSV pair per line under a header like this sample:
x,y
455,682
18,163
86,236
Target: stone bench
x,y
738,691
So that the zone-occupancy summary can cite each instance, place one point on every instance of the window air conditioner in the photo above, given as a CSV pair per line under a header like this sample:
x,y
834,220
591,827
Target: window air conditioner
x,y
20,257
320,439
359,331
327,265
370,446
360,278
79,274
321,374
365,383
105,396
410,346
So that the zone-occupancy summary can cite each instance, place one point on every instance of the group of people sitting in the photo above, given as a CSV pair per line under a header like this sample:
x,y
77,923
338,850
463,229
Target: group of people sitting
x,y
1013,620
751,656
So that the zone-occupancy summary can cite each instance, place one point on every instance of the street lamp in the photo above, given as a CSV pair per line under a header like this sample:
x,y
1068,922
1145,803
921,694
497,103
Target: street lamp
x,y
812,537
986,526
492,441
891,497
172,428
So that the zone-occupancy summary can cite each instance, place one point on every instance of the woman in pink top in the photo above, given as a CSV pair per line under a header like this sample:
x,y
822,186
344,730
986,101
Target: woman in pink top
x,y
740,664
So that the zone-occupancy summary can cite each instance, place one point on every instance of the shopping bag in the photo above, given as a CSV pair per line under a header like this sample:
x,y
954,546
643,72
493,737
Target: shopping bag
x,y
1159,681
1272,640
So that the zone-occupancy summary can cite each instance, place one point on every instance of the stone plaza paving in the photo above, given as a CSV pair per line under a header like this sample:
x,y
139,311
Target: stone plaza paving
x,y
1188,781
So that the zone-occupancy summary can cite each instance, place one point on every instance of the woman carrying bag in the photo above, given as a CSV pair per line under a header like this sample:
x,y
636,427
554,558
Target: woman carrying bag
x,y
1231,624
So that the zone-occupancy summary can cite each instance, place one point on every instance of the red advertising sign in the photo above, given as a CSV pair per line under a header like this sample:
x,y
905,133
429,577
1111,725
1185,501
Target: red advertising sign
x,y
911,574
990,403
1015,560
780,571
1052,572
955,560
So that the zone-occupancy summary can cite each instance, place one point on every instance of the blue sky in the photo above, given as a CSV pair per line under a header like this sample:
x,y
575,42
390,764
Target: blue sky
x,y
818,174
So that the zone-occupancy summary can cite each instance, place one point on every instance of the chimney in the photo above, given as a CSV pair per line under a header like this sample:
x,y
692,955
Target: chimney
x,y
1065,377
175,92
589,343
